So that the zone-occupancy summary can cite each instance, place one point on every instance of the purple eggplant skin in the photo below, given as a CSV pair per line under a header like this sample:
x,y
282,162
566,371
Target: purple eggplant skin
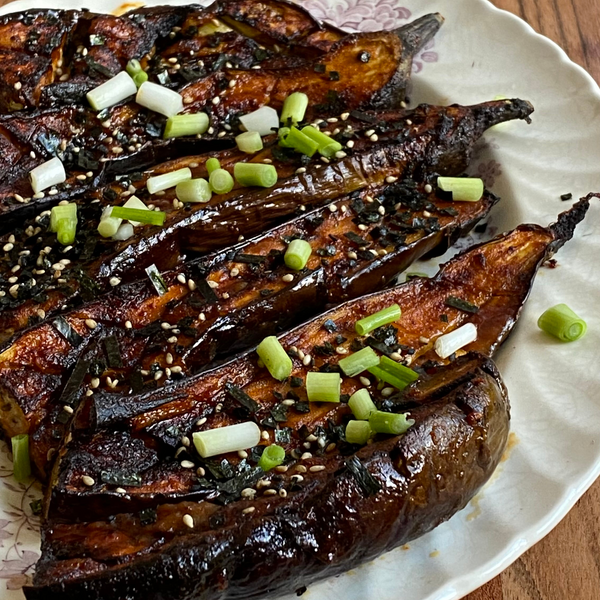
x,y
325,525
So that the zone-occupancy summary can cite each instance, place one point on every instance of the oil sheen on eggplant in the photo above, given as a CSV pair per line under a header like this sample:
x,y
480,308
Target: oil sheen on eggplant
x,y
225,67
438,140
140,435
325,523
356,250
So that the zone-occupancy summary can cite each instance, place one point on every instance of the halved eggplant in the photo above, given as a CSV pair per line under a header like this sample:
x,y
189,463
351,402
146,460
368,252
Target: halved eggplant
x,y
309,519
433,140
124,340
140,435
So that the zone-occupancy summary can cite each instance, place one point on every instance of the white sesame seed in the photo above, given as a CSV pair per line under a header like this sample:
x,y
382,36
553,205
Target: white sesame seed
x,y
166,326
158,375
191,285
14,290
424,340
181,278
128,325
306,456
300,170
297,478
307,360
172,339
202,317
282,493
114,281
365,381
242,454
91,324
264,435
374,137
352,255
95,382
341,350
87,480
369,132
270,492
382,252
340,154
428,189
363,227
317,468
200,472
250,509
216,100
8,247
169,358
387,391
68,409
172,60
396,356
18,86
187,464
288,278
261,483
188,521
38,196
331,447
324,159
248,493
391,179
212,284
281,468
120,490
185,441
381,210
409,122
176,369
350,144
13,279
344,116
288,402
332,207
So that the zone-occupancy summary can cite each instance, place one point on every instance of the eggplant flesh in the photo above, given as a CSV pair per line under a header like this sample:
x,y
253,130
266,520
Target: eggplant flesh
x,y
160,338
437,141
146,430
127,137
361,503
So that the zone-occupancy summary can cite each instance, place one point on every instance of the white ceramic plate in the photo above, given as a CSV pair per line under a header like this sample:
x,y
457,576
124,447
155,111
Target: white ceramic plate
x,y
481,52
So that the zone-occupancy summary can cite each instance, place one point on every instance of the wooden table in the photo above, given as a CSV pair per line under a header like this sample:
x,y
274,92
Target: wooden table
x,y
566,564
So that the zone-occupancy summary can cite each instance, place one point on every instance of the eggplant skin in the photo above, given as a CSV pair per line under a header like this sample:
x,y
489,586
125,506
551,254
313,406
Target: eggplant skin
x,y
330,524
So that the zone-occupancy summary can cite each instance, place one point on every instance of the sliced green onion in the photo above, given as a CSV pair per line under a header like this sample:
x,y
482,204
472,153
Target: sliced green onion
x,y
294,108
282,134
360,361
193,191
50,173
393,373
561,322
464,189
63,220
231,438
327,146
382,317
297,254
135,202
20,452
112,92
221,181
159,99
272,456
249,142
271,352
264,120
182,125
140,78
108,225
147,217
133,67
124,232
255,174
449,343
323,387
158,183
358,432
299,142
212,164
392,423
361,405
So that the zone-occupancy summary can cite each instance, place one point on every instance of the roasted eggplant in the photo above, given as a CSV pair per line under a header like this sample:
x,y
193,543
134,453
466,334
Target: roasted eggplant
x,y
437,140
348,506
126,339
140,435
128,137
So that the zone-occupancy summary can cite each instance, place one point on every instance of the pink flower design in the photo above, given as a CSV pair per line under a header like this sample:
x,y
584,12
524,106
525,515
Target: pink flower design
x,y
361,15
489,171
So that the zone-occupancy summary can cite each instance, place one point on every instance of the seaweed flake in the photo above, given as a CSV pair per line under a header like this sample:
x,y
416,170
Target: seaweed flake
x,y
240,396
64,328
461,304
113,352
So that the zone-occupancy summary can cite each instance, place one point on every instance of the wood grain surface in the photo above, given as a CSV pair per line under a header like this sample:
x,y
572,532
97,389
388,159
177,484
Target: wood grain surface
x,y
566,564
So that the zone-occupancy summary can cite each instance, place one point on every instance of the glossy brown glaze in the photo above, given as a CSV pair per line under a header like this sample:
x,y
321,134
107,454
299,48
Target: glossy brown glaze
x,y
318,525
495,277
252,300
215,69
434,140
